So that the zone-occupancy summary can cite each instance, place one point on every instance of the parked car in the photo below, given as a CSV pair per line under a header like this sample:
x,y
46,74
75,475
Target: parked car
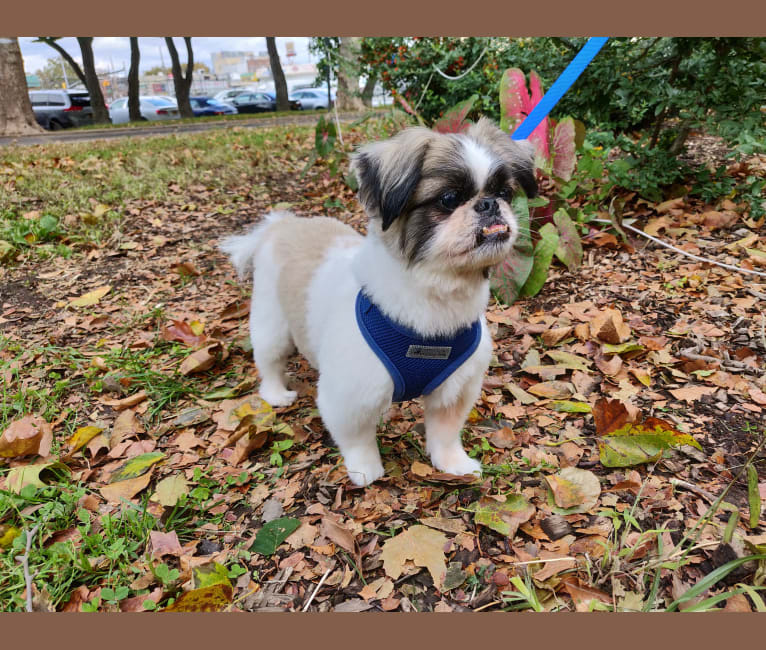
x,y
61,109
312,98
202,106
258,102
226,96
152,109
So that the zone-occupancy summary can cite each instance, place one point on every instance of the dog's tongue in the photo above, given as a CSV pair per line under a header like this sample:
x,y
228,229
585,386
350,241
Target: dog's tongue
x,y
495,228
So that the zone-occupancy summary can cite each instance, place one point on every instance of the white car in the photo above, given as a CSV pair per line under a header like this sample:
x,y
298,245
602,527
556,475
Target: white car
x,y
312,98
227,96
152,109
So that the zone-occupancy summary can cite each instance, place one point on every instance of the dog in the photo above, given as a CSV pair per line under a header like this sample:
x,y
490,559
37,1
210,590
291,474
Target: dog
x,y
373,313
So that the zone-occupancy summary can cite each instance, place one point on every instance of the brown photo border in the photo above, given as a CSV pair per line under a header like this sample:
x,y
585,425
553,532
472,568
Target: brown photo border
x,y
388,18
391,17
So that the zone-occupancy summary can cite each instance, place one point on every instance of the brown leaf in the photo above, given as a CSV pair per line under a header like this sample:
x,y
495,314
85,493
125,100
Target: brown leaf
x,y
552,389
237,309
125,489
553,336
609,327
339,534
27,436
164,544
181,331
125,402
574,488
125,426
582,594
423,545
202,359
504,438
691,394
609,415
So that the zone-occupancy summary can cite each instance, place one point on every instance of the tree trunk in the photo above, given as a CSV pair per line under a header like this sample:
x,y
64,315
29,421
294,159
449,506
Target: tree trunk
x,y
348,74
182,82
16,116
369,89
100,112
134,105
280,85
51,40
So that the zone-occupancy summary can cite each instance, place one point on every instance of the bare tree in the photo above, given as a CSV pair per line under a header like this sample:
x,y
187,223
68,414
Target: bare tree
x,y
182,81
280,85
348,74
134,104
87,73
16,116
100,112
52,41
369,88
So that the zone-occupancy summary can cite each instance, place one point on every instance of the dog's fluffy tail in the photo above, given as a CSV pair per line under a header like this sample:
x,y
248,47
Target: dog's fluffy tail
x,y
241,249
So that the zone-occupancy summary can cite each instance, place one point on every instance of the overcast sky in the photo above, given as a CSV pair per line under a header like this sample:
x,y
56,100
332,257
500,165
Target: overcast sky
x,y
113,52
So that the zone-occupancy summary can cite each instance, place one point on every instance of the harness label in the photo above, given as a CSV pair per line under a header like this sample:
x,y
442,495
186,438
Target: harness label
x,y
429,351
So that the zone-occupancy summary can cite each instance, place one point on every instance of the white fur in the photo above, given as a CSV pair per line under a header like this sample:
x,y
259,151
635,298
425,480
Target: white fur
x,y
479,160
355,389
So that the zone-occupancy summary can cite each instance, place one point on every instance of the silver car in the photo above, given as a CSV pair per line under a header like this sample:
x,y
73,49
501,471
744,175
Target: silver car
x,y
312,98
152,109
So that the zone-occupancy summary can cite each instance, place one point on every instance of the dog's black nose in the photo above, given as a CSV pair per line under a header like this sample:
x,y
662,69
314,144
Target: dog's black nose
x,y
487,206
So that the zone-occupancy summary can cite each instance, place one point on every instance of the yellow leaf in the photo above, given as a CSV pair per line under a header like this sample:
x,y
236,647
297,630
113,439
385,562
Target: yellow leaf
x,y
82,437
90,298
197,327
214,598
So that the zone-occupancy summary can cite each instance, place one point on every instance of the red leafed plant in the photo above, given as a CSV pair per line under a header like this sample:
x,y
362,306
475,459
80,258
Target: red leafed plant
x,y
555,142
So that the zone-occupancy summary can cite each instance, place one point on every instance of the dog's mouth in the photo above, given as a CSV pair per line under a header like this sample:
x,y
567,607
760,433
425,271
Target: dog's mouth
x,y
495,233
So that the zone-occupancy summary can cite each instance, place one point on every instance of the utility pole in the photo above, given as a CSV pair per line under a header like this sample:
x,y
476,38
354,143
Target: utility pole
x,y
63,69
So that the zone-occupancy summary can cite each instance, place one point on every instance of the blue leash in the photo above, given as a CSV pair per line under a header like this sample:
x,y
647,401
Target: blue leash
x,y
559,87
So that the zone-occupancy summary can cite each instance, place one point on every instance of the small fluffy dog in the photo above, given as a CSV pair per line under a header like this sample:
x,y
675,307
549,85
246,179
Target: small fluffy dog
x,y
439,219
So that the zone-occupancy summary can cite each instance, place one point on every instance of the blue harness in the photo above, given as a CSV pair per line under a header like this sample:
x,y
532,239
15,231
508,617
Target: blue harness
x,y
417,365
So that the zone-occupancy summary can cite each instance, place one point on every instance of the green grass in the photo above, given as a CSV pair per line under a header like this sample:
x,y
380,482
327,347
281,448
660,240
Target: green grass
x,y
59,197
197,120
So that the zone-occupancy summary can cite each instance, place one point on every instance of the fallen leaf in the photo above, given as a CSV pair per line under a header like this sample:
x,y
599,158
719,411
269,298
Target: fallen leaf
x,y
182,332
36,475
90,298
574,490
136,466
273,533
423,545
27,436
552,389
82,437
691,394
169,490
214,598
202,359
505,516
609,327
114,492
637,443
163,544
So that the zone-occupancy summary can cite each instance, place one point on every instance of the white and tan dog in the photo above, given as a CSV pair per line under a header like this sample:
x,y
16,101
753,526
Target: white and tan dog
x,y
439,219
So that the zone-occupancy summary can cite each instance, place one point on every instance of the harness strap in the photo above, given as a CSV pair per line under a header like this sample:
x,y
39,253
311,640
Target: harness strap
x,y
417,365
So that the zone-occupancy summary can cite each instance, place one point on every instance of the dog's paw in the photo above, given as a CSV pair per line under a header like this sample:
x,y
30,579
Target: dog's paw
x,y
363,468
278,397
457,463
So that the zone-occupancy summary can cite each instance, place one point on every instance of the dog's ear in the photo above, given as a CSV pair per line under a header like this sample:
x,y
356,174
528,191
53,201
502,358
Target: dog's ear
x,y
525,175
388,173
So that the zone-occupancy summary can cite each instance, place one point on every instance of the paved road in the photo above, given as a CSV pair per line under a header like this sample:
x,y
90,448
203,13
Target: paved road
x,y
81,135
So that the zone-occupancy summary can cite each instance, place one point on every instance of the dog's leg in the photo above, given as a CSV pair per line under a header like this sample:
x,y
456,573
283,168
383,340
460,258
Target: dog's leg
x,y
353,428
270,334
443,426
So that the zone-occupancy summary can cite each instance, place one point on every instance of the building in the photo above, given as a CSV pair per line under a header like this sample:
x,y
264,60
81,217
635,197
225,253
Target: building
x,y
226,64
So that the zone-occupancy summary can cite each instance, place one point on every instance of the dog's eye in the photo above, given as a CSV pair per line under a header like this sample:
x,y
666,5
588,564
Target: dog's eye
x,y
450,200
504,194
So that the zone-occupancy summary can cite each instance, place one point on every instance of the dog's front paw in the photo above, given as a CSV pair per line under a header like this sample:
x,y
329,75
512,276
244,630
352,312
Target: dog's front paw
x,y
456,462
363,467
278,397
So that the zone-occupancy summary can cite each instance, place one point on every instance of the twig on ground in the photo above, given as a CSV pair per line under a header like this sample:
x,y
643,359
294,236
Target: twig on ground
x,y
24,561
316,589
693,488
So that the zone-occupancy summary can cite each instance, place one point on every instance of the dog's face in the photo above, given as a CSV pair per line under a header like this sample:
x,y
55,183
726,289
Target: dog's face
x,y
443,200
